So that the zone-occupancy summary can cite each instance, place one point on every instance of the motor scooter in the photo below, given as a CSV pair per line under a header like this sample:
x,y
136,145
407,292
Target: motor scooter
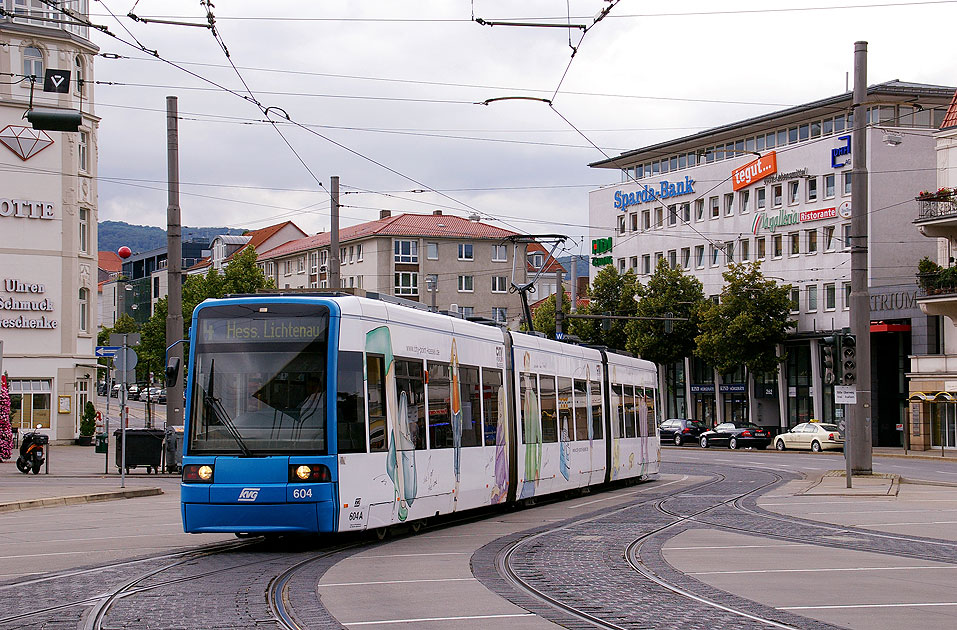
x,y
31,452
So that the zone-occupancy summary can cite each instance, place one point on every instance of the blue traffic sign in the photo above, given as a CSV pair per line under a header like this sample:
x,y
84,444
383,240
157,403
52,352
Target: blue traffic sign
x,y
107,351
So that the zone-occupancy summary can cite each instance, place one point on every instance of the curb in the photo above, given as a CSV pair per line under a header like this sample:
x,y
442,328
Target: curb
x,y
16,506
892,489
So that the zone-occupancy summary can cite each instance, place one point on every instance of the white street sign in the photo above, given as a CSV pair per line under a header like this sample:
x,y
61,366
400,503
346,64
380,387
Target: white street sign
x,y
845,395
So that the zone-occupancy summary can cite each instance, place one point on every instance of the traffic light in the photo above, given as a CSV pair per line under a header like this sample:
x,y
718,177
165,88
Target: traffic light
x,y
828,352
849,359
55,119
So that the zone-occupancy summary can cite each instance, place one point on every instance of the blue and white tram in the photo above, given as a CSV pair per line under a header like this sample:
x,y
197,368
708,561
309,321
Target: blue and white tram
x,y
330,413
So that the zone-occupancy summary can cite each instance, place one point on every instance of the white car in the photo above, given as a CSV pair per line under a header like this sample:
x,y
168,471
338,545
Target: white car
x,y
816,436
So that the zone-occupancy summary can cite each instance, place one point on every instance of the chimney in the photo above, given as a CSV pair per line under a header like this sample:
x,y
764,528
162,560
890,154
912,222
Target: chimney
x,y
437,213
385,214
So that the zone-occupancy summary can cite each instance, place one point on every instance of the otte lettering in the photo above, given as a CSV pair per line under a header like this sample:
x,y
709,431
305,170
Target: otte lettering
x,y
666,190
26,209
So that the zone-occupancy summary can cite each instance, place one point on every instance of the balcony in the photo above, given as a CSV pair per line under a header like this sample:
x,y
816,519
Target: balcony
x,y
937,290
937,213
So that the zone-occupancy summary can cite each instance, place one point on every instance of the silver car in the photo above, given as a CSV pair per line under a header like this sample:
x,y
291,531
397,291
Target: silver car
x,y
815,436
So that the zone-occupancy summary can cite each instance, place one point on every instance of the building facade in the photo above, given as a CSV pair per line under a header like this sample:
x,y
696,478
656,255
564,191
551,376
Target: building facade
x,y
777,189
445,261
48,218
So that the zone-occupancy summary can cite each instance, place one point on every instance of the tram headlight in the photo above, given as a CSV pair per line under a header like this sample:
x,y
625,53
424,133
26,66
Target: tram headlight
x,y
197,473
309,473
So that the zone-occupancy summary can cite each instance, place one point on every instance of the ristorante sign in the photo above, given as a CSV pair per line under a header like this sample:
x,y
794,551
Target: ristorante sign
x,y
665,190
784,218
754,171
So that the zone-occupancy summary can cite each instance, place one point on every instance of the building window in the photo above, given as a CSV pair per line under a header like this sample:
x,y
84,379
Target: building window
x,y
699,256
634,221
352,253
432,251
646,264
33,63
83,151
301,264
673,258
84,244
777,196
673,215
829,186
359,252
686,257
812,298
715,208
342,256
313,262
406,283
499,284
830,297
634,263
847,296
847,183
812,189
78,75
324,258
499,314
466,284
84,301
286,267
777,246
465,251
745,250
715,255
621,225
743,198
762,249
467,311
846,235
621,265
728,204
729,252
646,219
829,238
812,241
795,300
760,198
659,217
406,251
794,238
499,253
699,209
30,403
794,190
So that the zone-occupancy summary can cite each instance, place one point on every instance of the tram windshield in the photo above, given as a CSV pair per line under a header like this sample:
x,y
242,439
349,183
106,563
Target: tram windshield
x,y
259,380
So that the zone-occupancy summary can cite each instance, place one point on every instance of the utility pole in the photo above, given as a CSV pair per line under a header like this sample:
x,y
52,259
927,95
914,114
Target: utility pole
x,y
334,282
858,442
559,299
174,264
574,305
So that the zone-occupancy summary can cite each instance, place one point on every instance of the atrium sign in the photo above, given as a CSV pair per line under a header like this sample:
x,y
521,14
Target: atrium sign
x,y
665,190
753,171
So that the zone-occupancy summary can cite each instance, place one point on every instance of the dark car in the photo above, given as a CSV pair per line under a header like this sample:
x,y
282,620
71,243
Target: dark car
x,y
736,434
680,431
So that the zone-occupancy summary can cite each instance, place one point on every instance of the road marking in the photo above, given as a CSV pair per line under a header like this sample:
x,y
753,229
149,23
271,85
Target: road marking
x,y
877,512
918,523
734,547
425,619
819,570
945,472
826,502
901,605
468,579
72,553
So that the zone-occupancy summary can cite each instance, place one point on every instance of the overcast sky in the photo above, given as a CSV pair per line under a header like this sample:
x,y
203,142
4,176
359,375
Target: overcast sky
x,y
385,92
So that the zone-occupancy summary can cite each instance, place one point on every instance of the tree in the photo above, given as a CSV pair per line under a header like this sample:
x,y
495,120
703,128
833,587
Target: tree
x,y
668,291
746,326
613,294
544,316
125,324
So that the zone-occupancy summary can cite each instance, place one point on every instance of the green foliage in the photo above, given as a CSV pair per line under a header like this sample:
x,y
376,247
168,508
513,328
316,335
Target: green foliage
x,y
746,326
125,324
614,294
544,316
668,291
88,420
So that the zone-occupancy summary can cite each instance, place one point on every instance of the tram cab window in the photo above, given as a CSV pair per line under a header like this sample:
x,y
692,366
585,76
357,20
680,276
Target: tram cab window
x,y
408,379
378,441
549,409
531,418
581,409
492,392
440,416
617,412
350,404
597,429
471,401
566,421
630,416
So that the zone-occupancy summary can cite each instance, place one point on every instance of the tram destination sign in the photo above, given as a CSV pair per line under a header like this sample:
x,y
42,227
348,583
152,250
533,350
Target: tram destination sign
x,y
261,330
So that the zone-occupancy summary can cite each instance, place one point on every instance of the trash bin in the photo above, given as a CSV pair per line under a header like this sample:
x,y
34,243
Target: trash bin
x,y
144,447
101,443
174,449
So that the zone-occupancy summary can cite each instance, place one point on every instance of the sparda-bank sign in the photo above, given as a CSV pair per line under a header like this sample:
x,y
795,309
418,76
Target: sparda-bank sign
x,y
666,190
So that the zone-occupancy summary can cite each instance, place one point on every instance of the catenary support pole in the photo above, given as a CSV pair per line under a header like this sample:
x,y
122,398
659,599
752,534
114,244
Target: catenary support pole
x,y
334,282
859,424
174,264
574,305
559,299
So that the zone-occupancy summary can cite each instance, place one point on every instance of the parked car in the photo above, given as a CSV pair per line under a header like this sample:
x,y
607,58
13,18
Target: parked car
x,y
161,395
680,431
736,434
816,436
115,392
153,393
133,393
101,389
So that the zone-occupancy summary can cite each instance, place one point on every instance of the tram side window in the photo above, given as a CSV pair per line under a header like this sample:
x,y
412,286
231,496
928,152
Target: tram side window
x,y
375,365
471,406
440,424
643,424
549,409
531,429
491,391
566,421
617,412
596,424
631,420
408,379
350,405
581,410
652,412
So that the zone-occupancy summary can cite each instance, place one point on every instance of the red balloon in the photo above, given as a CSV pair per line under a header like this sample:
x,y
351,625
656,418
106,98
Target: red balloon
x,y
124,252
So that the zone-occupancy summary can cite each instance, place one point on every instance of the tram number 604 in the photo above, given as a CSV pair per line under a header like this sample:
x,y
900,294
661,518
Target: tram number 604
x,y
355,516
302,493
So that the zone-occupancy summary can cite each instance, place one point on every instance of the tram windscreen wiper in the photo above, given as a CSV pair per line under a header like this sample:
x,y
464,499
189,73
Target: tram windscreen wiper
x,y
216,406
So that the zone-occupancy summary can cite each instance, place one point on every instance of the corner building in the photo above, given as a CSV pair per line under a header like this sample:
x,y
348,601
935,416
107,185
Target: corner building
x,y
777,189
48,218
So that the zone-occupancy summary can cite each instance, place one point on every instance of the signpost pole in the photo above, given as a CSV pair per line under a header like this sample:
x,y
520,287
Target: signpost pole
x,y
126,370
